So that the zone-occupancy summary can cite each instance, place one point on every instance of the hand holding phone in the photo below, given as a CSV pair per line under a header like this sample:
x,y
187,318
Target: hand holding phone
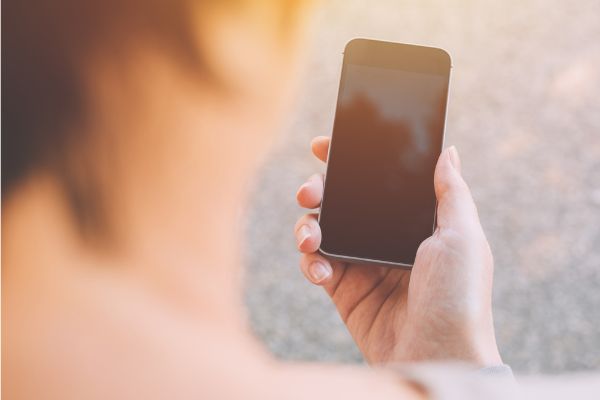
x,y
439,310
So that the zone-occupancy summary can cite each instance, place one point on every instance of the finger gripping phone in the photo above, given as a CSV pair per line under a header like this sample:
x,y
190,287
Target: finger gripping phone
x,y
379,202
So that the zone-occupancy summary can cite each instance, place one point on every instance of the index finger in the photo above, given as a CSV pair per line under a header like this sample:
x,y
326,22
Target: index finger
x,y
320,147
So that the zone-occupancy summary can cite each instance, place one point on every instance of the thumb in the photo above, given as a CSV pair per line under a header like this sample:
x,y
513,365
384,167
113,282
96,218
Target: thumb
x,y
456,208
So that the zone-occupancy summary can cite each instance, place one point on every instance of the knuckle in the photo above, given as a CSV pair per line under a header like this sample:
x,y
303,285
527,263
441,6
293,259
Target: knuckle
x,y
301,221
316,177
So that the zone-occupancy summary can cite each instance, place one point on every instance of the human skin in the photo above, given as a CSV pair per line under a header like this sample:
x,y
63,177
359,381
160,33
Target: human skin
x,y
441,309
152,307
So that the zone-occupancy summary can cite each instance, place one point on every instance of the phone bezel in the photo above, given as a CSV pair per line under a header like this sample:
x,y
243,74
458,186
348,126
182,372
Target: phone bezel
x,y
401,56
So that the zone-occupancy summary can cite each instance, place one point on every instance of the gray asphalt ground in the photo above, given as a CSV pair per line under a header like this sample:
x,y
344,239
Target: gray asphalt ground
x,y
524,114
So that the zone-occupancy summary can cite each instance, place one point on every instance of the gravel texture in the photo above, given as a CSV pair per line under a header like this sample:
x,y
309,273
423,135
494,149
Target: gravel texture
x,y
524,114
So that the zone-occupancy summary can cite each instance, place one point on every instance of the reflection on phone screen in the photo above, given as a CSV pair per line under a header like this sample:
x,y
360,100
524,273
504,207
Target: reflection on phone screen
x,y
379,202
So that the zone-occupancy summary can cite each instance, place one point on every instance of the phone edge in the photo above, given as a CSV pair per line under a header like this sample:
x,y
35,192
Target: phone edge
x,y
365,261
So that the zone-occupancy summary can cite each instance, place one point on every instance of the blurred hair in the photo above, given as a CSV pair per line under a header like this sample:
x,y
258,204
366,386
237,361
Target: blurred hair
x,y
44,46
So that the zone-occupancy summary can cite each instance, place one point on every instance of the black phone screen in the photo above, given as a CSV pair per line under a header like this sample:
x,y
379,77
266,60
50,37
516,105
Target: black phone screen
x,y
379,200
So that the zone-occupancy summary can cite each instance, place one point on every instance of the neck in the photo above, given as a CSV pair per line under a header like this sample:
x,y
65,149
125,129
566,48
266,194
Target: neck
x,y
188,261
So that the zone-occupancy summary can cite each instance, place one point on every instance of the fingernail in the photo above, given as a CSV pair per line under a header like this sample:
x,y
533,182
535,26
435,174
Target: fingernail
x,y
301,188
319,271
303,234
454,158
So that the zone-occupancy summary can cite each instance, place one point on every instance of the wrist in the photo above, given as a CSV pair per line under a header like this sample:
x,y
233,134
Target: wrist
x,y
477,351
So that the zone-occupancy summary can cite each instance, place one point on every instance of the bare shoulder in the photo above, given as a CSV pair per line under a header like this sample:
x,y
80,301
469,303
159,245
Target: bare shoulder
x,y
86,344
327,381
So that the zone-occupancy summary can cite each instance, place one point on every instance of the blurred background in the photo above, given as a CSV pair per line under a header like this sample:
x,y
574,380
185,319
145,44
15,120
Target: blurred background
x,y
524,115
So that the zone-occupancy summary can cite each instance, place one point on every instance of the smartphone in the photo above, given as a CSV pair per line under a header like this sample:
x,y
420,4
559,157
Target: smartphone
x,y
379,202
